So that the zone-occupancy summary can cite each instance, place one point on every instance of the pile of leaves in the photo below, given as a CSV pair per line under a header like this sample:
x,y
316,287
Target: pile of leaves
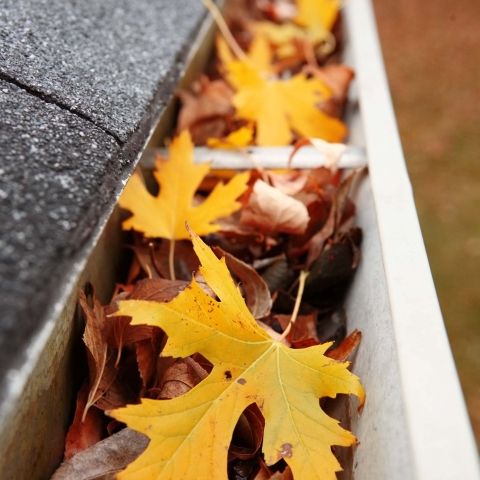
x,y
219,348
271,83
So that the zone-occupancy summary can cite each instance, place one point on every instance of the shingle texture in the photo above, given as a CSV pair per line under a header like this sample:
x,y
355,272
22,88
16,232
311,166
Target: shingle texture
x,y
81,84
103,59
53,168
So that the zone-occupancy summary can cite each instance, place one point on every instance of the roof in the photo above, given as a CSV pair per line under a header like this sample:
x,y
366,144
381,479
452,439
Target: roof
x,y
81,86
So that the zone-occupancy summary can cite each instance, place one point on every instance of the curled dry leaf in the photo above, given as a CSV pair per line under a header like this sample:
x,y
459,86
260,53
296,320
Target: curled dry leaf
x,y
336,215
109,456
317,241
278,275
290,182
248,434
331,273
270,211
264,472
338,78
257,295
157,290
303,331
348,345
153,259
147,353
82,435
101,374
331,152
180,378
119,385
285,475
204,109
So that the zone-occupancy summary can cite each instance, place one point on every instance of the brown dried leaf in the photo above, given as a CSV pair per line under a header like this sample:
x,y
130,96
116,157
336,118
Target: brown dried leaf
x,y
285,475
338,78
264,473
118,386
186,262
154,259
342,196
97,350
290,183
317,242
204,109
332,272
348,345
157,289
148,351
303,331
107,457
82,435
248,434
270,211
180,378
257,295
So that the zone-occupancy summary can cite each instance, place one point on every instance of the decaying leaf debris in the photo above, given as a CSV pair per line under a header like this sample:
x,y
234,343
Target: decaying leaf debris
x,y
220,350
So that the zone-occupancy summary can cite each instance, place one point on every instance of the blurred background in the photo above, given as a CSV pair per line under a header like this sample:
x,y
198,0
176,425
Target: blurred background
x,y
432,54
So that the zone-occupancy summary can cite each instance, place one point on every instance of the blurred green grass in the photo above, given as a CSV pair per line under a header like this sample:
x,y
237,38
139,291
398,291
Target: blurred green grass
x,y
431,50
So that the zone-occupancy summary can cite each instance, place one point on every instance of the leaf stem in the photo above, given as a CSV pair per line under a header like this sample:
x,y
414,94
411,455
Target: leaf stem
x,y
301,286
222,25
171,259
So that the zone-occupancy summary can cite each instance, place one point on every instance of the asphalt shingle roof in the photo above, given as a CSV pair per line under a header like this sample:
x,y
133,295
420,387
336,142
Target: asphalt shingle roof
x,y
81,85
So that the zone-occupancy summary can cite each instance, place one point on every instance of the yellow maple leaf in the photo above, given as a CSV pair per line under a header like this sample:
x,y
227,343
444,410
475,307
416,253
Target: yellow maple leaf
x,y
237,139
164,216
259,55
317,14
314,22
280,106
190,435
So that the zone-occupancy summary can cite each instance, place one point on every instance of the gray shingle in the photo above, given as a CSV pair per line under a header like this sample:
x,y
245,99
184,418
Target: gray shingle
x,y
104,59
54,167
81,85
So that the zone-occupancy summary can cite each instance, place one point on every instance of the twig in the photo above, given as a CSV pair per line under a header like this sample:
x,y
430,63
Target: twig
x,y
301,286
222,25
171,260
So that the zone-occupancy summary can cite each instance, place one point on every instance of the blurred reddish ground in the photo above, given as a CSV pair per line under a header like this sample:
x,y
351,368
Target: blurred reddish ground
x,y
432,54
